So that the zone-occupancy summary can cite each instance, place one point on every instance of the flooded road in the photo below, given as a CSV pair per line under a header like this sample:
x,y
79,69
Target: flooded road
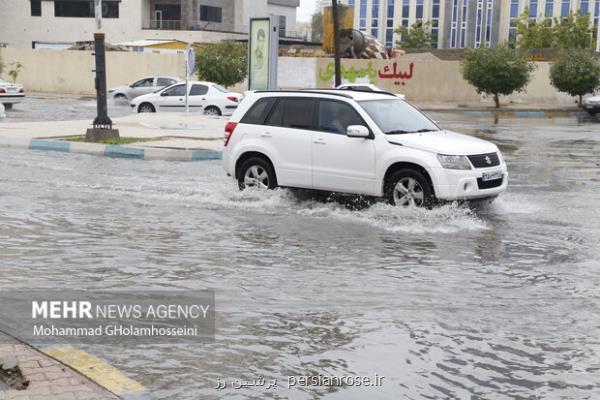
x,y
501,302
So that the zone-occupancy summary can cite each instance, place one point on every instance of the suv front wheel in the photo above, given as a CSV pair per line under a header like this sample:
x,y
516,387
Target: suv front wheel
x,y
258,173
408,187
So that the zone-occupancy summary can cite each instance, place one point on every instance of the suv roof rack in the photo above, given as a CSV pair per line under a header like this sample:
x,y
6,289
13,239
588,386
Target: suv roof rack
x,y
318,91
354,89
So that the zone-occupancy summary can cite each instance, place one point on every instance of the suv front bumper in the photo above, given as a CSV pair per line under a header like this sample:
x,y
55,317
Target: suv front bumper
x,y
468,185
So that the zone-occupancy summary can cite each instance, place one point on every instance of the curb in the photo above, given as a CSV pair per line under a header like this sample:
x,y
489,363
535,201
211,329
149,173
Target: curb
x,y
114,151
514,114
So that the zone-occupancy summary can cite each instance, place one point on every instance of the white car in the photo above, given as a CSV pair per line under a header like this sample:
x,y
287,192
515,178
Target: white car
x,y
360,143
364,87
146,85
11,93
592,105
206,97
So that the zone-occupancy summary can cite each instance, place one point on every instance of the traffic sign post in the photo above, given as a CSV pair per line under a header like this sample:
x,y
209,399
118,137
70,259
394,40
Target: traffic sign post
x,y
190,66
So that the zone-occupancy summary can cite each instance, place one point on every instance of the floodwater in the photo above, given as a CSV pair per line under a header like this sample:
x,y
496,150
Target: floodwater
x,y
497,303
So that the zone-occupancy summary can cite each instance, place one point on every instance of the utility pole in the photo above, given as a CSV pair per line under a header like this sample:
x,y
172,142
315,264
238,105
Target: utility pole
x,y
336,43
102,126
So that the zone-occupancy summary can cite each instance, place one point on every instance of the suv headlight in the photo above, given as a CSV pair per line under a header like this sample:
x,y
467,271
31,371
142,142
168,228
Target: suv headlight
x,y
454,162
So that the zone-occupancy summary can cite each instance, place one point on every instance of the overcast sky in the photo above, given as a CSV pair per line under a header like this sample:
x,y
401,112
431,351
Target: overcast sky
x,y
306,9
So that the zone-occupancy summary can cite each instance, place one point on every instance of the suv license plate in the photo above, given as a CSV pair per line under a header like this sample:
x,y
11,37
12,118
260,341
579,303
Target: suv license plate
x,y
491,176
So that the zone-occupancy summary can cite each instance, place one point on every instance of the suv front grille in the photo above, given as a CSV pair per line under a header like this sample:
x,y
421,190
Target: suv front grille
x,y
484,160
481,184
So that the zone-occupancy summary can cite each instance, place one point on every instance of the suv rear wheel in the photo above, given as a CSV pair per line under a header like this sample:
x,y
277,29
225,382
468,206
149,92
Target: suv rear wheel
x,y
256,172
408,187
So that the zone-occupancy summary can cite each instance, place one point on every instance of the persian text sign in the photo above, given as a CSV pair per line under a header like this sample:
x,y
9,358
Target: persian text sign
x,y
391,71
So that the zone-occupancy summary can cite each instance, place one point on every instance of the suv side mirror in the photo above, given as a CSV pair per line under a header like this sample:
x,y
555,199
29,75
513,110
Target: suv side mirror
x,y
163,94
358,131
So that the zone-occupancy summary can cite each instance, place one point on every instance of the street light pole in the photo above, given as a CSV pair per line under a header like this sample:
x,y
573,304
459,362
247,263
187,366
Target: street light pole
x,y
336,43
102,126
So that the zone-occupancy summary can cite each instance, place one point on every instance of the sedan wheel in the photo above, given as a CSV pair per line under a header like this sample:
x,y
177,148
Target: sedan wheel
x,y
212,111
147,108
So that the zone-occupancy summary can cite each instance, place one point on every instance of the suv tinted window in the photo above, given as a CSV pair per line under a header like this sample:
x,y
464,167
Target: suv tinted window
x,y
298,113
258,112
178,90
336,117
198,90
292,112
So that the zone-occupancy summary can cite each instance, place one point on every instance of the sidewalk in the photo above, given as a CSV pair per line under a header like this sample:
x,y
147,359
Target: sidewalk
x,y
163,136
43,377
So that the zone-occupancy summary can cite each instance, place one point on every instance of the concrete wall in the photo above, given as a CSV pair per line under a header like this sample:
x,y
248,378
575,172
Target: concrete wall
x,y
428,80
68,71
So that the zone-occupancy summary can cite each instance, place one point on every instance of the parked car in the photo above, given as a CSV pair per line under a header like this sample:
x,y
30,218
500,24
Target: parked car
x,y
364,87
11,93
146,85
366,143
206,97
592,105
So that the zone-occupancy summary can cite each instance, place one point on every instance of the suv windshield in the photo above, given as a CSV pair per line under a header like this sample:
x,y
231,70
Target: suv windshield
x,y
395,116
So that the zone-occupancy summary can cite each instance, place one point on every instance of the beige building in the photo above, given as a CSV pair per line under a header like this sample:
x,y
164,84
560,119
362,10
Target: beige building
x,y
460,23
59,23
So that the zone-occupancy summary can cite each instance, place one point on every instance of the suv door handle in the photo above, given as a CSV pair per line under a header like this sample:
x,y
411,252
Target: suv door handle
x,y
319,141
266,134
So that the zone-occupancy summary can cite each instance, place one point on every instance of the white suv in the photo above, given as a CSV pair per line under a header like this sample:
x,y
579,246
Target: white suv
x,y
364,143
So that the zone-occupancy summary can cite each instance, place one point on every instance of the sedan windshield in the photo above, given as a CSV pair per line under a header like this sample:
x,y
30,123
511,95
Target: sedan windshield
x,y
395,116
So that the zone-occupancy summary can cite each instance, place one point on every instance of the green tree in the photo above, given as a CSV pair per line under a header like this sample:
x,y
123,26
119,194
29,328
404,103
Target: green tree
x,y
576,72
574,32
534,34
418,36
317,27
495,72
225,63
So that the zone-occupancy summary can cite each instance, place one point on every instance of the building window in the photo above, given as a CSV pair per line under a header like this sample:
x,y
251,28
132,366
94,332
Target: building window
x,y
210,14
478,23
85,9
463,23
584,7
435,23
405,9
363,15
389,29
512,28
282,25
488,23
419,10
548,12
533,9
514,9
36,8
375,18
454,24
565,7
